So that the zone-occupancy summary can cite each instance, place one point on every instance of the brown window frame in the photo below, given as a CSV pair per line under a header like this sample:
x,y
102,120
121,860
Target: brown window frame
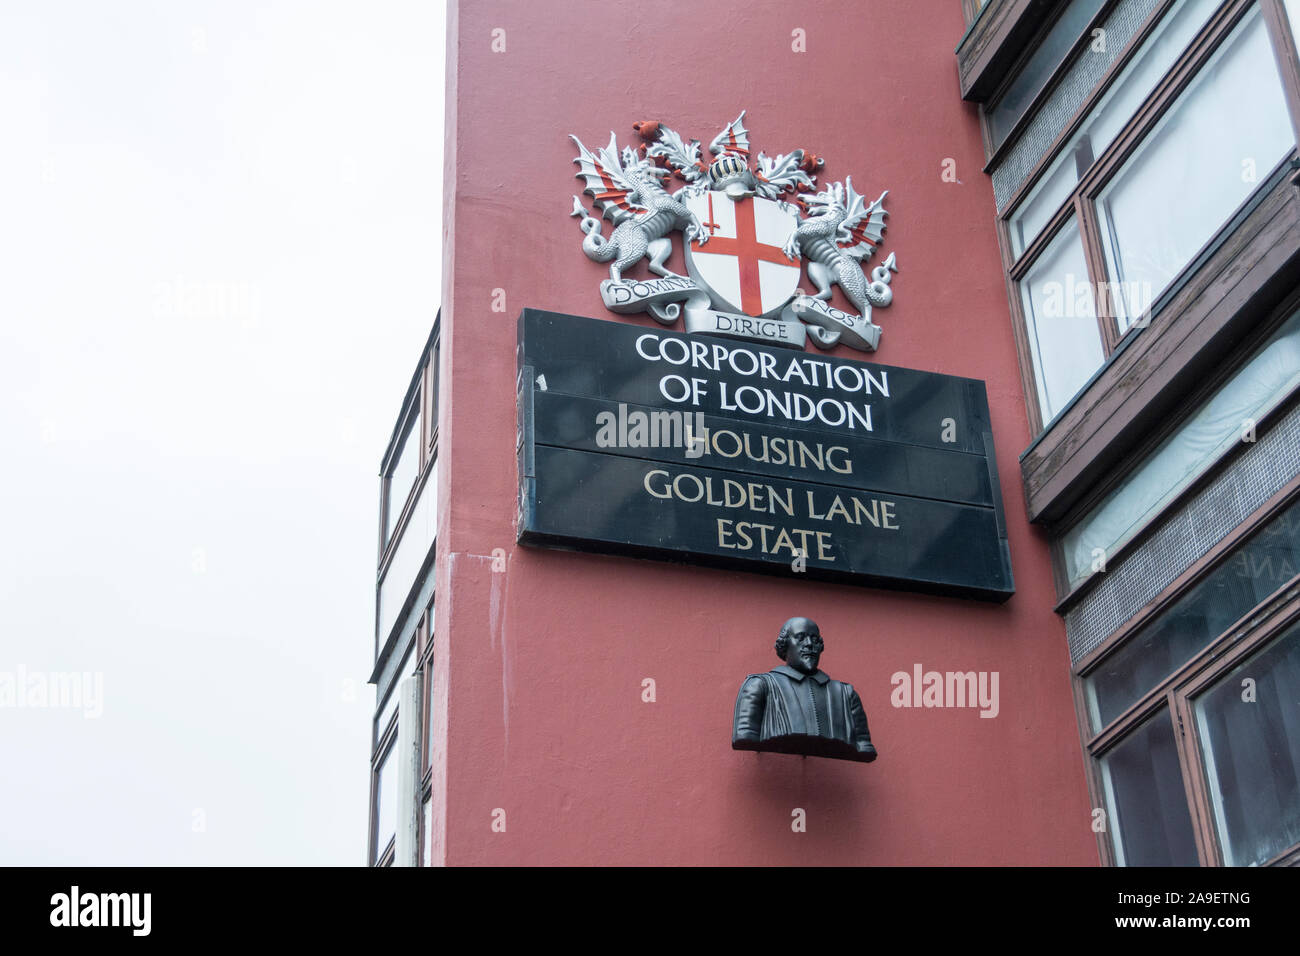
x,y
421,399
1282,608
425,648
1174,695
1249,345
1080,205
411,409
430,409
971,8
1219,655
383,749
995,153
385,738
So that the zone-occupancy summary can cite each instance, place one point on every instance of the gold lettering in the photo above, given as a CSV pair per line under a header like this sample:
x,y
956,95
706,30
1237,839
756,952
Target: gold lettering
x,y
789,545
845,467
837,508
823,542
812,509
804,454
667,492
871,514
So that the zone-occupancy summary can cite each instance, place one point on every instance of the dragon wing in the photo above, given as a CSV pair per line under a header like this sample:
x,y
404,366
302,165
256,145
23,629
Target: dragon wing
x,y
863,226
679,154
734,139
606,183
775,176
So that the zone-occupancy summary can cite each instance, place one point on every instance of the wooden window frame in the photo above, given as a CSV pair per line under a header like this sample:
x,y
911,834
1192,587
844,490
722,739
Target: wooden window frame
x,y
432,374
1173,694
425,649
411,408
1255,301
1080,204
1252,264
993,42
422,398
383,750
994,154
386,740
1211,384
971,9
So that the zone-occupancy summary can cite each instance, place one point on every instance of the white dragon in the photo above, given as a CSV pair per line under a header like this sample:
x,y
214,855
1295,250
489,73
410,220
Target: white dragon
x,y
840,232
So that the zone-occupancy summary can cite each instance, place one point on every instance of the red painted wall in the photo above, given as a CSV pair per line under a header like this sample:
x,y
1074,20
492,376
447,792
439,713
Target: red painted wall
x,y
538,672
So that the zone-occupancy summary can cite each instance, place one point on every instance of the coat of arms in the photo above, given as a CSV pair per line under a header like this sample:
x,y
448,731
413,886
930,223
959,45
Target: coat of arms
x,y
748,232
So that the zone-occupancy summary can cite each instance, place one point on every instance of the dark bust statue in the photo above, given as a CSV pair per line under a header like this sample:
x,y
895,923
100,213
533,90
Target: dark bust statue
x,y
797,709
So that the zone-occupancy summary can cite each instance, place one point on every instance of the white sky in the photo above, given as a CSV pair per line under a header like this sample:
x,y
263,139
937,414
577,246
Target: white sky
x,y
219,259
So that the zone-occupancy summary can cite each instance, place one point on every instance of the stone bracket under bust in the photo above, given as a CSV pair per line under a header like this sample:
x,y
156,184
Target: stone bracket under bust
x,y
797,709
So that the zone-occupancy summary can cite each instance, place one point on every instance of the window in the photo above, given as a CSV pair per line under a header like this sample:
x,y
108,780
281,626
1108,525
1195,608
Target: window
x,y
1220,423
1187,653
403,625
402,575
1048,53
1201,161
1249,734
384,722
408,488
426,648
1061,320
426,829
1243,579
1293,17
385,801
384,774
1181,134
1194,730
431,402
1219,741
972,8
1144,792
1104,121
402,472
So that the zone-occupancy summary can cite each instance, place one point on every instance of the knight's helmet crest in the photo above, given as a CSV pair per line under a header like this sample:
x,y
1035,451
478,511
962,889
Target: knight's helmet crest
x,y
730,174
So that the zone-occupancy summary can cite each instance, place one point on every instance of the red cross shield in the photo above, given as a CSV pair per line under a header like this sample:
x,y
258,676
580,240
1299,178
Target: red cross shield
x,y
742,265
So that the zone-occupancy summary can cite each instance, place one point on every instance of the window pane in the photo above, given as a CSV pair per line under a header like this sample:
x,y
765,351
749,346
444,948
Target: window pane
x,y
436,386
427,702
1061,322
1293,14
1250,739
1267,560
386,800
390,705
386,715
1202,160
426,853
1216,427
1047,55
1120,102
406,469
408,558
1149,821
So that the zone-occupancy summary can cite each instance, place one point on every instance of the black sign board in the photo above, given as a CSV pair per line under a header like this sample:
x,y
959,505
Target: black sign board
x,y
641,441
